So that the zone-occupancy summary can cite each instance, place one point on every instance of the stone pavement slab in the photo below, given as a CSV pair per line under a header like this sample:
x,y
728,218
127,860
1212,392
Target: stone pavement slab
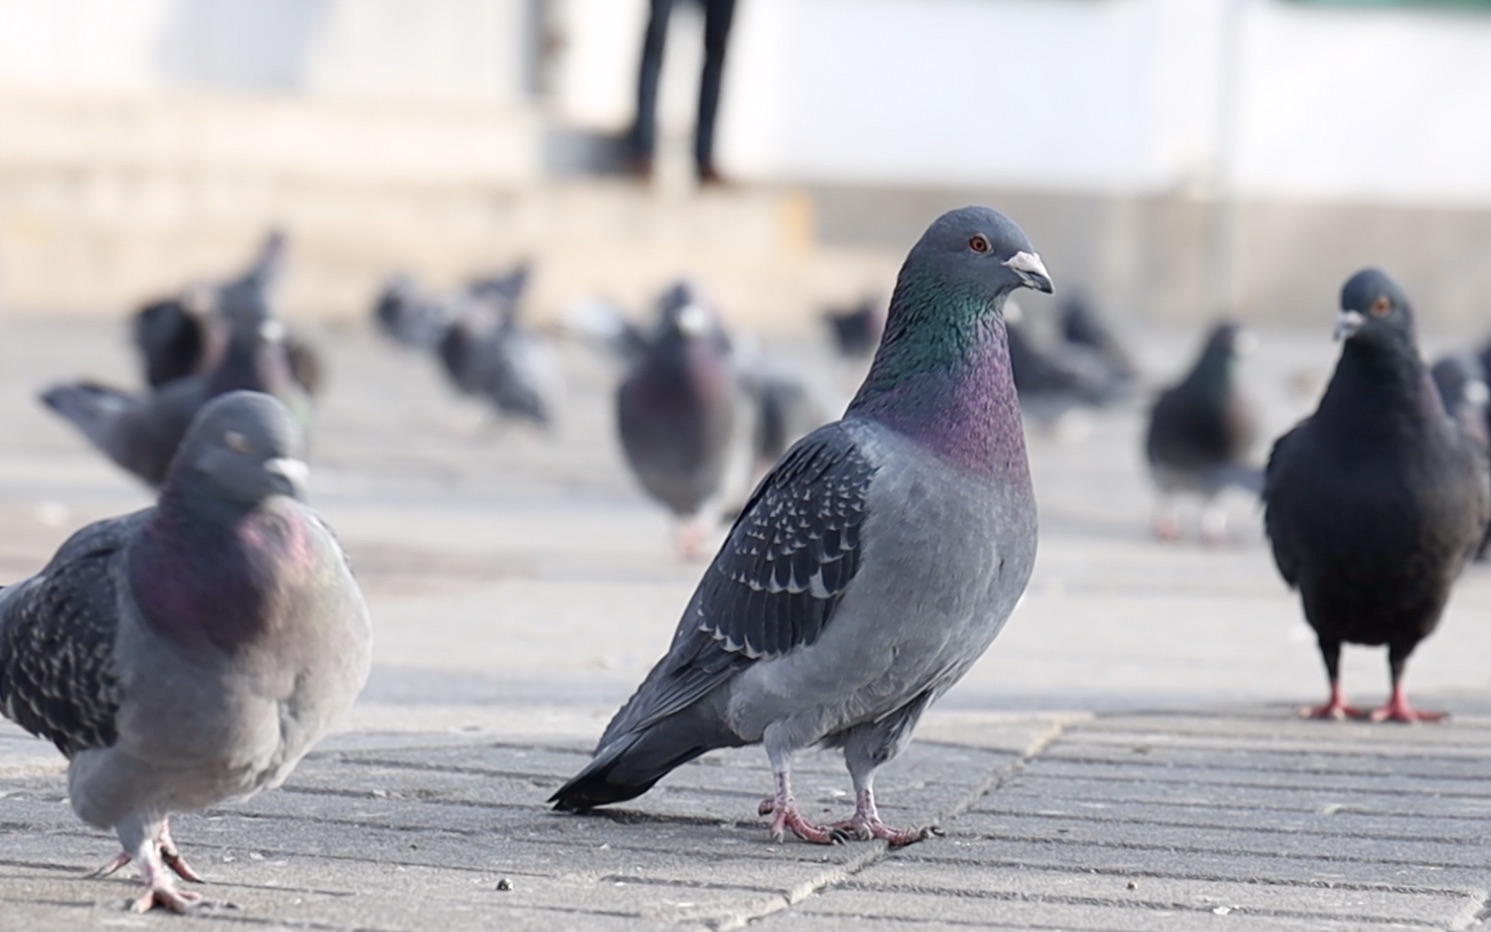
x,y
1125,757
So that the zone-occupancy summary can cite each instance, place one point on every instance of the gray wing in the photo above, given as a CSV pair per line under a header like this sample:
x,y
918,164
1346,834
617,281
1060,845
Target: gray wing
x,y
57,677
774,585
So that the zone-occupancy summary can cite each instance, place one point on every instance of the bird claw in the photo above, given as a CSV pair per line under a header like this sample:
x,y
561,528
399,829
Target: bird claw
x,y
177,863
120,859
787,817
1406,714
1333,711
863,829
167,896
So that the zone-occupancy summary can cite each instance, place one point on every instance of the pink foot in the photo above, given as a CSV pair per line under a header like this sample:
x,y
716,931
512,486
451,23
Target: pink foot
x,y
172,858
1397,709
786,816
120,859
1167,527
690,539
865,828
167,897
1335,708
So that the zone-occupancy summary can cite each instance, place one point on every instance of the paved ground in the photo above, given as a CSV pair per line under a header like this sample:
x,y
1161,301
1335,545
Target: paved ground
x,y
1124,758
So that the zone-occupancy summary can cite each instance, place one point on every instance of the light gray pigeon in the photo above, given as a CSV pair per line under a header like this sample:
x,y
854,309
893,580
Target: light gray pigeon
x,y
142,433
194,651
872,566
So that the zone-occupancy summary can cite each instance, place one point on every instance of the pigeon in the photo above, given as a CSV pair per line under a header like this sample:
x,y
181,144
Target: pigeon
x,y
1054,381
1461,383
856,329
872,566
186,334
685,420
486,354
1082,327
1374,503
191,652
1200,433
787,409
141,433
507,287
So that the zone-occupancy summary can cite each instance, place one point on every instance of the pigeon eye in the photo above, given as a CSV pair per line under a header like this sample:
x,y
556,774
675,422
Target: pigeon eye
x,y
1381,306
979,243
236,442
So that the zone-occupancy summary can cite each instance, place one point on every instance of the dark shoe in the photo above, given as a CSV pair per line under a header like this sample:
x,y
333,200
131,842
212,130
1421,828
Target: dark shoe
x,y
710,177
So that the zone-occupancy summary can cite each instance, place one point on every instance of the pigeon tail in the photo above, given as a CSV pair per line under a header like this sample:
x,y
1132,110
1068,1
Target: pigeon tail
x,y
633,762
94,408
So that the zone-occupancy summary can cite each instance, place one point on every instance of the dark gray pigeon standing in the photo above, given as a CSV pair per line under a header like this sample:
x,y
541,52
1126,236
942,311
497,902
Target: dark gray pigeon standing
x,y
1374,502
1200,433
194,651
686,421
141,433
871,567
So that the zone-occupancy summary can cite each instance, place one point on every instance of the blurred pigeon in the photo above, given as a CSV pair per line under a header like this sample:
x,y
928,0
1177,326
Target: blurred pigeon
x,y
787,409
186,334
685,420
856,330
486,354
1053,381
1461,382
192,652
1374,502
504,287
142,433
412,316
1200,433
1082,326
872,566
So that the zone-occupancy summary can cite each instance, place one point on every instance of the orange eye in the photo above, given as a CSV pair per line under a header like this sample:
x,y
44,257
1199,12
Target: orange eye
x,y
1381,306
236,442
979,243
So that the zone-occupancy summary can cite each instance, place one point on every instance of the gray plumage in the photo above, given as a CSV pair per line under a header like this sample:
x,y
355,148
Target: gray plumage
x,y
141,433
872,566
194,651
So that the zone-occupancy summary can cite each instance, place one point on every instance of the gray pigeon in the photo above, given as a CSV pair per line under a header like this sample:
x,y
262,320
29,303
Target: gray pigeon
x,y
191,652
487,354
871,567
1200,433
1374,502
685,418
141,433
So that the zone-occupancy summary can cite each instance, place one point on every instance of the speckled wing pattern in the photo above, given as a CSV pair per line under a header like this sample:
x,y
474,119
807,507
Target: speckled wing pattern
x,y
57,644
775,584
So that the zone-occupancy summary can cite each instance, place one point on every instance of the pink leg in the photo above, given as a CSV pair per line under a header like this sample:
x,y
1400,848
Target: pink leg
x,y
1335,709
1397,709
690,538
1167,522
865,824
160,889
783,810
172,858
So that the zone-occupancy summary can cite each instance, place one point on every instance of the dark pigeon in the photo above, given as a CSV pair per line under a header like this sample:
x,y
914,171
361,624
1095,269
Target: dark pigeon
x,y
505,287
787,409
141,433
685,421
485,353
186,334
856,330
871,567
1374,502
1053,382
1201,431
191,652
1081,326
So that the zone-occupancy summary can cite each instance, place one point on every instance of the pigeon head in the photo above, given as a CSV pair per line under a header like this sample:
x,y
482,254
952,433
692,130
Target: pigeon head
x,y
244,447
1230,340
1374,311
942,373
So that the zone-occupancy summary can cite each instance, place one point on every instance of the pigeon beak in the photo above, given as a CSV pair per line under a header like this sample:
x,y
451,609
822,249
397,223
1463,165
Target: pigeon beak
x,y
291,475
1347,323
1031,269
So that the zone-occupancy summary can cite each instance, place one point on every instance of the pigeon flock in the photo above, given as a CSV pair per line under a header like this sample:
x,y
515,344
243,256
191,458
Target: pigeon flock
x,y
194,651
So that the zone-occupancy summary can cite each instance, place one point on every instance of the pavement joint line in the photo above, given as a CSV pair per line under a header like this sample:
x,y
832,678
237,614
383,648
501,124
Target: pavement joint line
x,y
1014,896
1191,780
1203,826
879,850
1024,793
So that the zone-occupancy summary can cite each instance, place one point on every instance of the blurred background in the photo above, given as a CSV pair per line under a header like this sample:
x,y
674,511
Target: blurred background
x,y
1174,158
